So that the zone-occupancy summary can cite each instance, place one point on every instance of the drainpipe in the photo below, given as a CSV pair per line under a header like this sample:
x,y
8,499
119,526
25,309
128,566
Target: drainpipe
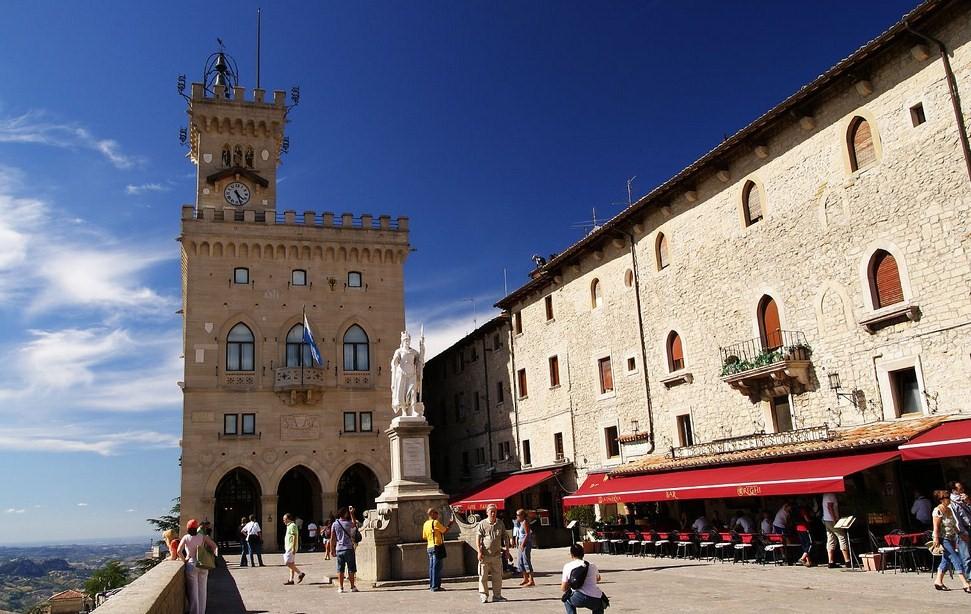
x,y
485,370
953,91
876,380
640,330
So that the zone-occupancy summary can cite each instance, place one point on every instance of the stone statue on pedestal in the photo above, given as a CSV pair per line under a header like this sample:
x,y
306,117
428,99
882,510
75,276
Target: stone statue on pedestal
x,y
406,374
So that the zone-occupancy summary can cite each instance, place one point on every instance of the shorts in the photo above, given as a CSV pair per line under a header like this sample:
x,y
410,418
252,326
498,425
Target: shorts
x,y
288,557
346,558
834,535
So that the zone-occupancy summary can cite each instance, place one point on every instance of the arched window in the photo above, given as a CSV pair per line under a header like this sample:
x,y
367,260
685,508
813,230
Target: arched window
x,y
770,328
675,352
885,288
298,352
661,250
240,349
356,350
751,203
596,294
859,141
629,278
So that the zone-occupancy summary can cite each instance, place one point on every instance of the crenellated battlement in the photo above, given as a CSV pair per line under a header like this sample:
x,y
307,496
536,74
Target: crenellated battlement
x,y
313,219
238,96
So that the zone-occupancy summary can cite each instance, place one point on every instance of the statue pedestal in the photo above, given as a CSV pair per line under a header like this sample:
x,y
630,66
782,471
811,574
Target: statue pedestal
x,y
395,550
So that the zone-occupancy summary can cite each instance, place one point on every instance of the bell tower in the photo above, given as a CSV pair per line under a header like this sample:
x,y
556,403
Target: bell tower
x,y
234,141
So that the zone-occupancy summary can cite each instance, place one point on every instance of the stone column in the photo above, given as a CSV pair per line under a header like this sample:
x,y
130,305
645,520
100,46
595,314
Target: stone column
x,y
269,523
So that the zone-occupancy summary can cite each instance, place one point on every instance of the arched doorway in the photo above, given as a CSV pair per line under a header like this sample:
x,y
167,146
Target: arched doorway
x,y
299,496
359,487
238,494
770,328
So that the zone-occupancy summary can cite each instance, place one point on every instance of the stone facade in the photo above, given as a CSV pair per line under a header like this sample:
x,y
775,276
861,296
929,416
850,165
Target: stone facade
x,y
615,295
472,439
266,430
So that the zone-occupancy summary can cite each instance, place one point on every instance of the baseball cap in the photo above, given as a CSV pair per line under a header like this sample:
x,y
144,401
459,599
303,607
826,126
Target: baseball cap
x,y
192,524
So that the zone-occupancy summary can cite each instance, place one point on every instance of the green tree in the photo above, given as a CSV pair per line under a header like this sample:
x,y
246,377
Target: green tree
x,y
168,521
112,575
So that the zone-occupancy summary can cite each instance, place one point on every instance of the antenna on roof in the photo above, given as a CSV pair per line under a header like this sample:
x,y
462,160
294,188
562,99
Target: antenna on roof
x,y
259,23
630,200
590,226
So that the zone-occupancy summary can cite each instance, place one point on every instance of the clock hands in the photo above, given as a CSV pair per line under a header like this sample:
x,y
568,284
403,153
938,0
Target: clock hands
x,y
236,192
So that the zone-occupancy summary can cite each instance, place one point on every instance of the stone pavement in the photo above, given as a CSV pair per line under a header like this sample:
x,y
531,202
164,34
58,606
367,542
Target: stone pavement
x,y
633,584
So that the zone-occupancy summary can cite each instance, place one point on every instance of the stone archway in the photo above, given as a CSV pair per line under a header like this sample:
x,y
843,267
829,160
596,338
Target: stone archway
x,y
238,494
298,495
358,486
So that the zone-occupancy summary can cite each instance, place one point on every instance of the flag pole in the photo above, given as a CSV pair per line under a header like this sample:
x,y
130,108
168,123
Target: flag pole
x,y
303,324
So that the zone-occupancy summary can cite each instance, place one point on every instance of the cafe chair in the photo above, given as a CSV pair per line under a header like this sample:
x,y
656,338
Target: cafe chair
x,y
633,543
647,543
662,544
725,546
744,548
685,542
706,545
774,543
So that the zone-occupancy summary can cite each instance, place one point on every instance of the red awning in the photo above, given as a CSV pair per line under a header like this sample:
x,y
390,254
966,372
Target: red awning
x,y
797,477
944,440
498,492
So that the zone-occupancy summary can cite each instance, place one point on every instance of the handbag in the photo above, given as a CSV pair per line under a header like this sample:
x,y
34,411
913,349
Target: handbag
x,y
938,551
204,558
440,552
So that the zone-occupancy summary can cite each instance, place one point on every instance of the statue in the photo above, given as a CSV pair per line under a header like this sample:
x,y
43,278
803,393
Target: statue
x,y
406,374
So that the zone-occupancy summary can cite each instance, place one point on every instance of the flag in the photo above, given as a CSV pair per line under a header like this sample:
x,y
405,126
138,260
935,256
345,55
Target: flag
x,y
308,338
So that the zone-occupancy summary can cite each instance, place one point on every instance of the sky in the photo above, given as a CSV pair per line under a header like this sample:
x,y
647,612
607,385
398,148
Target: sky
x,y
497,127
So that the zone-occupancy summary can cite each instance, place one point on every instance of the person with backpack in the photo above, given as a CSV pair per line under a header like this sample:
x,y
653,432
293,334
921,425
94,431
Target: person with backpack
x,y
579,584
344,537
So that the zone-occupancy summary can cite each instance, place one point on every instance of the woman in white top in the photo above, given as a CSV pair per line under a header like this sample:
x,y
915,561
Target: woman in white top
x,y
946,534
197,579
587,596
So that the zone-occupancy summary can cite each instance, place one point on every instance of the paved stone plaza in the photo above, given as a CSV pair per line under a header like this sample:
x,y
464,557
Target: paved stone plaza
x,y
633,584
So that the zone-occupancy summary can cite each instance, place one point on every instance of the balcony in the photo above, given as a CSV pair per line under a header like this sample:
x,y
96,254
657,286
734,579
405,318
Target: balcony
x,y
762,372
298,384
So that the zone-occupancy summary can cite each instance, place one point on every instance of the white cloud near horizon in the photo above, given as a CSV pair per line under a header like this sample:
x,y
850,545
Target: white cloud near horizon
x,y
447,323
34,127
82,505
103,444
12,510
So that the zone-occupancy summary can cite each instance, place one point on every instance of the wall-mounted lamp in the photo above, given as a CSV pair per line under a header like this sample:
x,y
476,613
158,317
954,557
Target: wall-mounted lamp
x,y
836,386
635,424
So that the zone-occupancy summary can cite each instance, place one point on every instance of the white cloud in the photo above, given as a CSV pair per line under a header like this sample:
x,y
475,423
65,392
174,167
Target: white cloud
x,y
130,510
84,440
135,190
15,511
34,127
446,323
82,505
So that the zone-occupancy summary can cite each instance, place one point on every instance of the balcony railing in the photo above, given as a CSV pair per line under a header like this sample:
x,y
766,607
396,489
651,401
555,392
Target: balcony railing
x,y
298,378
778,346
766,368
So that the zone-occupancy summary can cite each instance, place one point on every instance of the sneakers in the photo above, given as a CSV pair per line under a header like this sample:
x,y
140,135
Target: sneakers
x,y
340,589
288,583
354,589
498,599
483,599
300,577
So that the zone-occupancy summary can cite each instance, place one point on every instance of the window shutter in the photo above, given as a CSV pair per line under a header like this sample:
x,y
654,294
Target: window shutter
x,y
753,204
606,376
863,151
662,252
677,354
771,329
886,280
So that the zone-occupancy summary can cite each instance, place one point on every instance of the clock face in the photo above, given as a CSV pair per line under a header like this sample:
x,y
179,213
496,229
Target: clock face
x,y
236,193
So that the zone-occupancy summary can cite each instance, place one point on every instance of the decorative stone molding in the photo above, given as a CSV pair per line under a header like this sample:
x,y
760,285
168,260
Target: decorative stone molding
x,y
299,427
678,377
889,315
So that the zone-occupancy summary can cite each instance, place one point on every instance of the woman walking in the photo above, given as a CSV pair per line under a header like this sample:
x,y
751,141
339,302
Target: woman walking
x,y
946,536
196,578
524,541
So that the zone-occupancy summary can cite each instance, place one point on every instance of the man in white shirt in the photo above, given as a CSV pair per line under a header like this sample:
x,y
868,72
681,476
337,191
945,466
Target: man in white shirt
x,y
742,523
254,541
831,513
781,522
589,594
701,524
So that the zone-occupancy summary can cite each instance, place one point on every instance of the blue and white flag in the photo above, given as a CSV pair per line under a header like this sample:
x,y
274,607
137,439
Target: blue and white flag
x,y
308,338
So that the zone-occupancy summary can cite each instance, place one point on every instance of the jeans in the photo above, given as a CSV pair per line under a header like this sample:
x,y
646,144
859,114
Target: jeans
x,y
806,541
579,600
964,553
525,558
254,547
951,559
197,584
435,565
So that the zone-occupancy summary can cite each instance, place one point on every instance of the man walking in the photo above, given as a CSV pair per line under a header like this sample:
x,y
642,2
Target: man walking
x,y
491,543
342,547
290,550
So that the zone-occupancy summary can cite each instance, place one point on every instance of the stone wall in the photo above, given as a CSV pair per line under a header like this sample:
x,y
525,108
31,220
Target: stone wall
x,y
161,590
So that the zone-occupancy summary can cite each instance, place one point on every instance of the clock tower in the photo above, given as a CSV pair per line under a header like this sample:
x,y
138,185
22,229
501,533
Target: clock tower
x,y
235,142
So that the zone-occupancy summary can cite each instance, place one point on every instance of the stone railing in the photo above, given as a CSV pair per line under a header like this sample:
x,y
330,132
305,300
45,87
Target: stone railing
x,y
297,378
161,590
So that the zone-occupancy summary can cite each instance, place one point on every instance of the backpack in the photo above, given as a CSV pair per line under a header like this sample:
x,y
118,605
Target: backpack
x,y
578,575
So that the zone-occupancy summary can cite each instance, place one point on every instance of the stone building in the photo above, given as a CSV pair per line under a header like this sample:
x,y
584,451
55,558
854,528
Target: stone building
x,y
808,277
266,428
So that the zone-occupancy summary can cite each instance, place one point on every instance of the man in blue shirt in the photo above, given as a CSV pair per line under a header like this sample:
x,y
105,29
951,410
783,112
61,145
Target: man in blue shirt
x,y
342,546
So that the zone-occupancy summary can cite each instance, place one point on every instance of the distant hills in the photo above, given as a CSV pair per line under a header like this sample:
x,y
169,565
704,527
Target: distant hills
x,y
29,569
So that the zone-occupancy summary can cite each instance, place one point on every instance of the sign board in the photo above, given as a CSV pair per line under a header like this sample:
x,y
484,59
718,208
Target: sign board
x,y
413,457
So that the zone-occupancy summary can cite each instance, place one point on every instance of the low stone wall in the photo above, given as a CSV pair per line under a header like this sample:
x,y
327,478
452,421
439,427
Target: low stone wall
x,y
160,591
410,561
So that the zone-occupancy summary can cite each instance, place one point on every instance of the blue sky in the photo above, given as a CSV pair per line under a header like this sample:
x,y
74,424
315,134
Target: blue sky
x,y
496,126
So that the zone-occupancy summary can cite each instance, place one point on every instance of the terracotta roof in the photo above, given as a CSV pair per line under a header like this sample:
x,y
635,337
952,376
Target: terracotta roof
x,y
799,100
849,439
634,437
69,594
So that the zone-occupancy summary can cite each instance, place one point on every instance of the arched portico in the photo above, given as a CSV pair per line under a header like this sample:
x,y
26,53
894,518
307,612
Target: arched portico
x,y
238,494
358,486
298,494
